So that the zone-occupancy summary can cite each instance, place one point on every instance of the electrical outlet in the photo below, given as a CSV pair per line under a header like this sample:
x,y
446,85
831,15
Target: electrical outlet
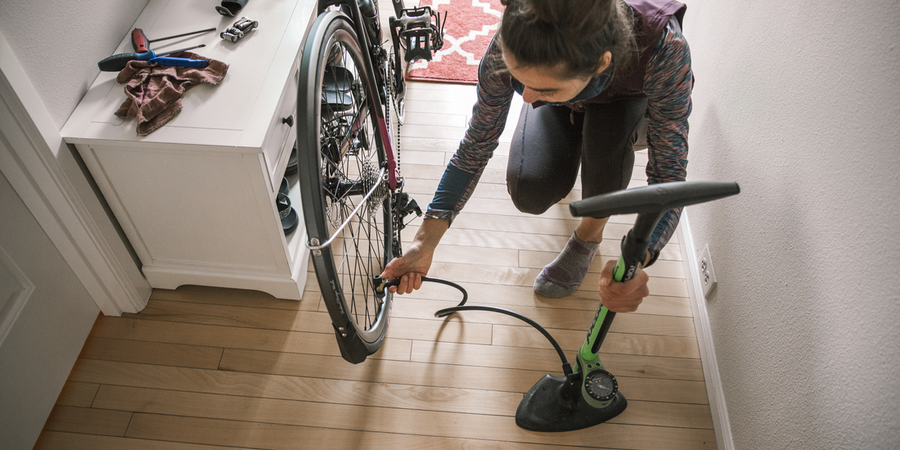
x,y
707,274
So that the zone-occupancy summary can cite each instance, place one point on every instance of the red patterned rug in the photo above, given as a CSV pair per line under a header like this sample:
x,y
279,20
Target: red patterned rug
x,y
471,25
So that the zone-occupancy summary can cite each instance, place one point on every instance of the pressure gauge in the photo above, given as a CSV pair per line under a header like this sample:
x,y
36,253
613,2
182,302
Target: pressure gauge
x,y
601,385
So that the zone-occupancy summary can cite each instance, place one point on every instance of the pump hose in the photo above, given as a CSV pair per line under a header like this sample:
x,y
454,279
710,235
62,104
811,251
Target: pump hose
x,y
567,368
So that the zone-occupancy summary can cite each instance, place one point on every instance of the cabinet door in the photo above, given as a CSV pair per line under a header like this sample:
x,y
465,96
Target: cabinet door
x,y
192,209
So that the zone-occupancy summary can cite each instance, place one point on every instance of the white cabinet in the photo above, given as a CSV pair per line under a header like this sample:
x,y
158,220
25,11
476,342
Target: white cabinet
x,y
196,198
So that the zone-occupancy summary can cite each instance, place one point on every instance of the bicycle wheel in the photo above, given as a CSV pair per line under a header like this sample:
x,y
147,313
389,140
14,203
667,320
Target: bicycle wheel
x,y
343,184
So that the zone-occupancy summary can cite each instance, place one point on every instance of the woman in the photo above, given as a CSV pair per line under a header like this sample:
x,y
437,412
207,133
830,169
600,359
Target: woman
x,y
591,73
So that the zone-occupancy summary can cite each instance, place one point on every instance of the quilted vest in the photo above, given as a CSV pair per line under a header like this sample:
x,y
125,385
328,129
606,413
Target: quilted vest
x,y
650,19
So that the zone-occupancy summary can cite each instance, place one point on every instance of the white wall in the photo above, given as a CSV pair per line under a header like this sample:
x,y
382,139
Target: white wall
x,y
799,102
59,44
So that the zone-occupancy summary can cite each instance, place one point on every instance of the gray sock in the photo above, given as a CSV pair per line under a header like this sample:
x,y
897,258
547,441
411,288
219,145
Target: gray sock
x,y
563,276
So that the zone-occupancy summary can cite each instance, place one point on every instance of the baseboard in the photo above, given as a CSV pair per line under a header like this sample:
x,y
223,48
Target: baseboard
x,y
714,390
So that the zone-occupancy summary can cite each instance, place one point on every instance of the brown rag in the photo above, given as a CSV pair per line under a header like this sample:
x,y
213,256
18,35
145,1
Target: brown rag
x,y
154,91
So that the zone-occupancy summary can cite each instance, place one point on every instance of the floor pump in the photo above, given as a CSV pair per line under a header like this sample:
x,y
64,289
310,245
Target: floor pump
x,y
587,394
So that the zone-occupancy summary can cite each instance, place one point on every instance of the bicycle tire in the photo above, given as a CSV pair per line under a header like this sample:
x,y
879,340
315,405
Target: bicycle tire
x,y
341,159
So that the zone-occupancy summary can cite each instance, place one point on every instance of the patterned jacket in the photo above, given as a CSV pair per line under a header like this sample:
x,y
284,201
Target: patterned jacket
x,y
663,75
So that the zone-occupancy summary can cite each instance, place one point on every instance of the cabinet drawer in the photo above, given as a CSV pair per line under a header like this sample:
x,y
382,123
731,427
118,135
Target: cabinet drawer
x,y
280,139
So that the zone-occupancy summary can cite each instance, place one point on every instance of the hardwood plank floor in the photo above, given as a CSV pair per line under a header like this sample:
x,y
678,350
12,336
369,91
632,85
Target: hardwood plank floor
x,y
208,368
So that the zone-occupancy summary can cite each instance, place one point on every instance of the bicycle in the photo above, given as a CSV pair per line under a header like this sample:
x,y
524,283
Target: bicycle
x,y
352,194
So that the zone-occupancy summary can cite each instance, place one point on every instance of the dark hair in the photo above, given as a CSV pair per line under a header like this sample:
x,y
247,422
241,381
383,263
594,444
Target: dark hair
x,y
571,35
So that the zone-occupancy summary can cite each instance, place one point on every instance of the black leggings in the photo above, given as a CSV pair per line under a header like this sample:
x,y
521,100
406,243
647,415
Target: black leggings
x,y
547,148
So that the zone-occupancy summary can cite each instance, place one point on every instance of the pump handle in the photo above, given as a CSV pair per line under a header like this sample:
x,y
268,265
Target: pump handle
x,y
656,198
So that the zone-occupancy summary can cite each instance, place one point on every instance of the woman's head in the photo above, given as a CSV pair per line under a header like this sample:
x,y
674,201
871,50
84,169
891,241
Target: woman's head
x,y
567,40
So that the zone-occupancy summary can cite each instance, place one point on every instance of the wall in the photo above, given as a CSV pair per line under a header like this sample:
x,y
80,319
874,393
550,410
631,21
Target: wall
x,y
59,44
799,102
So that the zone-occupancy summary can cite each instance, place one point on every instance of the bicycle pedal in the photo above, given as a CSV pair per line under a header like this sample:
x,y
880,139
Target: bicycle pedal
x,y
420,36
418,45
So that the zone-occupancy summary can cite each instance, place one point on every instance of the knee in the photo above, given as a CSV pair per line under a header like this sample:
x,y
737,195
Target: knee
x,y
530,198
529,206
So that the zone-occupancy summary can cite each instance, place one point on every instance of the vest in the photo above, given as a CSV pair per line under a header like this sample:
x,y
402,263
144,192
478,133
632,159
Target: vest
x,y
650,19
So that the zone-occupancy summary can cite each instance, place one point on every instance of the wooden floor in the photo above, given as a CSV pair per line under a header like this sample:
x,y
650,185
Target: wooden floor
x,y
204,368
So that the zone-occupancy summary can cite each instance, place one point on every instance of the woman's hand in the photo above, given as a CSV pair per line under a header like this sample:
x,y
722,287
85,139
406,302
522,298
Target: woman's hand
x,y
416,260
409,268
623,297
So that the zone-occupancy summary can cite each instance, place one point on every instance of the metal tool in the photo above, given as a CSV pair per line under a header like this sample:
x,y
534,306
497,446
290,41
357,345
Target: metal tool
x,y
239,29
118,62
180,62
141,44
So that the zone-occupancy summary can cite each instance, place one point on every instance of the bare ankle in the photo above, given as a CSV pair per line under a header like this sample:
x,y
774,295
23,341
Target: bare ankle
x,y
590,229
593,238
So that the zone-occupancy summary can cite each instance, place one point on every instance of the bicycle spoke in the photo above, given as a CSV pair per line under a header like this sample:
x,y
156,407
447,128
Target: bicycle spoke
x,y
351,172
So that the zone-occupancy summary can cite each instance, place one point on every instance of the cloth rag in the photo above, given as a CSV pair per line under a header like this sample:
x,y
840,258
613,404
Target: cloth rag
x,y
154,91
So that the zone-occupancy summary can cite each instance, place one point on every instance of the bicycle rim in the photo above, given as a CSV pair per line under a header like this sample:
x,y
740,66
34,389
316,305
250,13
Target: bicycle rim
x,y
342,159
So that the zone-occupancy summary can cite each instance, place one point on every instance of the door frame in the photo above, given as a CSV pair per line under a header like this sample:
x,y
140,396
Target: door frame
x,y
35,173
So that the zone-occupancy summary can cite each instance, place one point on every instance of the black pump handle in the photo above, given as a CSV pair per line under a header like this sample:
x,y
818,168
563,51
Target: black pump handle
x,y
651,202
656,198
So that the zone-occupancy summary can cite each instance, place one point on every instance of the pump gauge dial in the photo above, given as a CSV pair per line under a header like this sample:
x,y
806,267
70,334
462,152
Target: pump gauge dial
x,y
601,385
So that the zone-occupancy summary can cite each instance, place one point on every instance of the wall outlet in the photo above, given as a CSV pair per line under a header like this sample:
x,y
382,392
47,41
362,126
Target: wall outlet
x,y
707,274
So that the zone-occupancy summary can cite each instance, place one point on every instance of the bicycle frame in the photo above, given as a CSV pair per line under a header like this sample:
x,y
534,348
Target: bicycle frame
x,y
359,25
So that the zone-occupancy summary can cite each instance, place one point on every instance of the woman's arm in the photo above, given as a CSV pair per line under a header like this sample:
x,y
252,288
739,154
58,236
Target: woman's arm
x,y
667,83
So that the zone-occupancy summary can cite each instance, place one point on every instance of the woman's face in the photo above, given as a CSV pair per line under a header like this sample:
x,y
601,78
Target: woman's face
x,y
544,83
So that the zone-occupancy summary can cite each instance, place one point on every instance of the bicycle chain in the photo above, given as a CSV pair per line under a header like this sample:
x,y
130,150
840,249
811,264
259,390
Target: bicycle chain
x,y
389,82
395,214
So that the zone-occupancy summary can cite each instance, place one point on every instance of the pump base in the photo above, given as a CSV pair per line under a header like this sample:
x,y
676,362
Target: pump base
x,y
544,409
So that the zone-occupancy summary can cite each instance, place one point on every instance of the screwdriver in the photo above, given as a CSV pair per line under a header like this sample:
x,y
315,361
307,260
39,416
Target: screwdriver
x,y
118,62
141,44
